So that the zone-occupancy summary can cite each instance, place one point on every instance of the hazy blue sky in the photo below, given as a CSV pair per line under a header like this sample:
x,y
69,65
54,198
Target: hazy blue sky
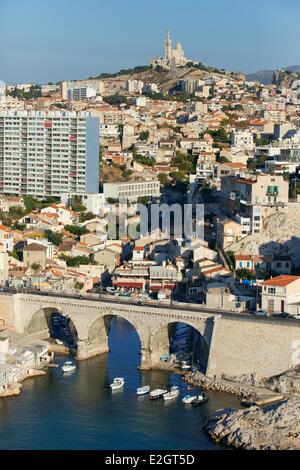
x,y
50,40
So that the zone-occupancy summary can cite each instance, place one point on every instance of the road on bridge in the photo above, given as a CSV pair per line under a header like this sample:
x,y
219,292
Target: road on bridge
x,y
175,305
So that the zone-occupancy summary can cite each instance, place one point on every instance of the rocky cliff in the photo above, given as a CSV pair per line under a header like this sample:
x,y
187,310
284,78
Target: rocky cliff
x,y
256,429
280,236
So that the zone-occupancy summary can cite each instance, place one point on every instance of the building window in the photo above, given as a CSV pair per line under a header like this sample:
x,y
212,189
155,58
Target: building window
x,y
271,290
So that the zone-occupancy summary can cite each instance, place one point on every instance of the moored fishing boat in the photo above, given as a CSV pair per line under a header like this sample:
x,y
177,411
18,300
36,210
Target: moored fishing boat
x,y
117,383
143,390
68,366
188,399
200,399
157,393
172,394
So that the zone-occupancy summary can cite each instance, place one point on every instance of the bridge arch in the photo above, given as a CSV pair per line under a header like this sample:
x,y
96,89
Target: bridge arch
x,y
161,339
98,330
41,324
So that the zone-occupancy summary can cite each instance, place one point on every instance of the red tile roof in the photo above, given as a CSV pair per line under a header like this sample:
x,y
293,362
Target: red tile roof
x,y
281,281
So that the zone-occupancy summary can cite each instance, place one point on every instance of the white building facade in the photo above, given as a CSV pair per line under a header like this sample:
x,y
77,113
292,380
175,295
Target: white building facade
x,y
46,153
131,191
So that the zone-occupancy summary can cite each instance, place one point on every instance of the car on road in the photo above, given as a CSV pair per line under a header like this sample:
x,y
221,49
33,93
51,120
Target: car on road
x,y
284,315
261,313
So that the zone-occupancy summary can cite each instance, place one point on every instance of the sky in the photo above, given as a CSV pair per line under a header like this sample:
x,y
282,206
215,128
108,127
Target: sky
x,y
52,40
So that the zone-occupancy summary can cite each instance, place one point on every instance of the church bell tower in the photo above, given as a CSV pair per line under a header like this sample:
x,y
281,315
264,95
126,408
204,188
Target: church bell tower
x,y
168,46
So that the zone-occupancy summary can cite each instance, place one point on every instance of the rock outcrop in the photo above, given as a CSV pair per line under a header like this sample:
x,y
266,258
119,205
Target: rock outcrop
x,y
218,385
253,428
288,382
280,236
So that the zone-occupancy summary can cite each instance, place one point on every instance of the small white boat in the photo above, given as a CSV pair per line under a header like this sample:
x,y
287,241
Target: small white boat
x,y
157,393
172,394
143,390
185,366
117,383
68,366
188,399
58,341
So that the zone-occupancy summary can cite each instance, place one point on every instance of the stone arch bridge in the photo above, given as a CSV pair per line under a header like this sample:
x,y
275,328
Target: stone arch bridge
x,y
236,344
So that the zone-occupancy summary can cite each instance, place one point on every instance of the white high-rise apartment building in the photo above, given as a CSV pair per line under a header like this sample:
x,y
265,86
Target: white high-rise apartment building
x,y
48,153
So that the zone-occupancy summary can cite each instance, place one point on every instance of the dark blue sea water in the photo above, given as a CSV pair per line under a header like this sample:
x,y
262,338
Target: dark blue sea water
x,y
78,411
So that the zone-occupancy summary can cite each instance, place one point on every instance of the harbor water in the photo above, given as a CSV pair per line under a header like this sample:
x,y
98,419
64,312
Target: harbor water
x,y
79,411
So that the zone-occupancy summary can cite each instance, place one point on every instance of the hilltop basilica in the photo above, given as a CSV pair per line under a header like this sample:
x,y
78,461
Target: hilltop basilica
x,y
173,57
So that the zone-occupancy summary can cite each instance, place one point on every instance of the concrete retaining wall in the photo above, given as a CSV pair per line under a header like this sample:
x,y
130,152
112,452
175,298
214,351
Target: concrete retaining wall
x,y
253,345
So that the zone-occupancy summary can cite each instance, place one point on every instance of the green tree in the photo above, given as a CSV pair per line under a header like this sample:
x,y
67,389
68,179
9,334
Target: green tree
x,y
84,216
16,212
54,237
222,159
115,99
147,161
144,135
262,141
76,230
244,273
75,261
231,258
5,219
77,205
143,200
220,135
179,176
30,203
78,285
36,267
163,179
17,254
17,226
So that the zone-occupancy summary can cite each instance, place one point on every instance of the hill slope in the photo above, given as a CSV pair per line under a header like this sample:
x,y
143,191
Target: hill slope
x,y
265,76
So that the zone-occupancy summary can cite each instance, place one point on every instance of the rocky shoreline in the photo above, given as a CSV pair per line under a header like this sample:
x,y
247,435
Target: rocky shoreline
x,y
219,385
14,388
257,429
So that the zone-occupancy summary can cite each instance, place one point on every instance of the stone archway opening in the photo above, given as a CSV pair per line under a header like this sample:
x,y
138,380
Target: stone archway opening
x,y
182,340
118,336
188,344
51,323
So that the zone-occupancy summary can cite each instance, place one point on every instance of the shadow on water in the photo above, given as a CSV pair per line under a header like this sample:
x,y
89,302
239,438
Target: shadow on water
x,y
78,410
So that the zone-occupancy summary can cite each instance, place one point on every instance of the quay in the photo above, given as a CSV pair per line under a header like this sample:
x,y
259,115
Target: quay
x,y
258,396
21,357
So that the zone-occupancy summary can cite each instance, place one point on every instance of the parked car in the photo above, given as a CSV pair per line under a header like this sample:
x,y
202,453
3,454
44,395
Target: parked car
x,y
296,317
